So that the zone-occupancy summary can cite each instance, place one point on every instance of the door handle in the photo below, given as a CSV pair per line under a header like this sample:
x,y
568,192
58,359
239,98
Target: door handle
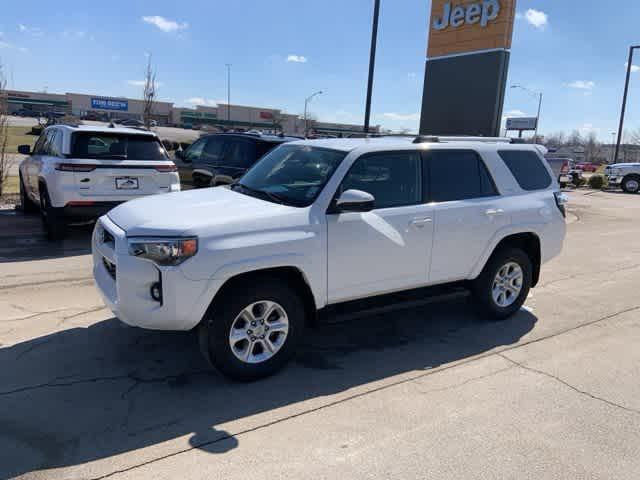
x,y
420,222
494,211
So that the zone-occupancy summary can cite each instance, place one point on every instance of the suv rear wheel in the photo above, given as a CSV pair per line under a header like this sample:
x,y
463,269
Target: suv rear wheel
x,y
631,183
254,330
503,286
54,224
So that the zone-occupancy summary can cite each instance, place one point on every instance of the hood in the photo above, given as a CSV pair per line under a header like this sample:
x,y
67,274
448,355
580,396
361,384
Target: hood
x,y
192,211
623,165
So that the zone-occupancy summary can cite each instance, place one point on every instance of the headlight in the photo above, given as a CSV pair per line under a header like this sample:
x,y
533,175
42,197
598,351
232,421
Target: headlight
x,y
164,251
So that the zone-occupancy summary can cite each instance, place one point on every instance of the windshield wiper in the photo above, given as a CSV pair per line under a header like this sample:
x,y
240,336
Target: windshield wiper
x,y
262,193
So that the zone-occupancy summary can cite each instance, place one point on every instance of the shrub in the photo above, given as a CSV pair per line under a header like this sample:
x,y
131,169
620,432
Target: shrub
x,y
579,181
596,182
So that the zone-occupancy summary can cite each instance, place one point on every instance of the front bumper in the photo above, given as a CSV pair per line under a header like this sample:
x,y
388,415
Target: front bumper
x,y
124,282
613,180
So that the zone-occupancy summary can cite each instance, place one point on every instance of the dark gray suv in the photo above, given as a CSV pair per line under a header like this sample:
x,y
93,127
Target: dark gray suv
x,y
222,158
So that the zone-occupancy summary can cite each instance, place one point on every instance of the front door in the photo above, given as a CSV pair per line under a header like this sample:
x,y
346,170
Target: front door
x,y
388,248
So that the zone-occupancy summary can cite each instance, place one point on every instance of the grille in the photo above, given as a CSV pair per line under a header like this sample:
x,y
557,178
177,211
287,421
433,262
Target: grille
x,y
110,266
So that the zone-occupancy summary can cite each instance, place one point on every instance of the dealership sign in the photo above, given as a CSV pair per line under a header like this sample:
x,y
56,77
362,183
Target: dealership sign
x,y
481,13
522,123
110,104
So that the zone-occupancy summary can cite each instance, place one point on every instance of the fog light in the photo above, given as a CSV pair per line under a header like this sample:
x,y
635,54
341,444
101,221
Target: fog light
x,y
156,292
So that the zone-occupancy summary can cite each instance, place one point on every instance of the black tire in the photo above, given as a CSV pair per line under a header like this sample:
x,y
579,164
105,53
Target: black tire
x,y
28,207
482,287
563,185
215,329
631,184
53,223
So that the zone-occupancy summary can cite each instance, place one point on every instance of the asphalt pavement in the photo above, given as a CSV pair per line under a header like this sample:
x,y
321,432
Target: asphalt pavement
x,y
427,392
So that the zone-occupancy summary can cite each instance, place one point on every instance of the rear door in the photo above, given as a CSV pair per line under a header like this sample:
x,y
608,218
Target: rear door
x,y
468,212
119,164
240,154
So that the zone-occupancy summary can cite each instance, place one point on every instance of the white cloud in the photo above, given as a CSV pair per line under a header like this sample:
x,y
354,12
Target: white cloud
x,y
140,83
5,44
536,18
514,113
35,31
22,28
412,75
401,117
165,24
582,84
634,68
8,45
201,101
297,59
587,128
71,33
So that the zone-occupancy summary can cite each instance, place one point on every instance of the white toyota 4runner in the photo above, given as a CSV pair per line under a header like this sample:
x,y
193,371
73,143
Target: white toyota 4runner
x,y
323,222
80,173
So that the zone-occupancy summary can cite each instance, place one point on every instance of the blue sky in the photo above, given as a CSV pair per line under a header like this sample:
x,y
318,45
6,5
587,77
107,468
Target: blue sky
x,y
284,50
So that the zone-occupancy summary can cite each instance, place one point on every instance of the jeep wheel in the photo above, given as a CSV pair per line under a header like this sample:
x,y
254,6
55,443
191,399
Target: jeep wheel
x,y
631,184
28,207
503,286
53,223
253,331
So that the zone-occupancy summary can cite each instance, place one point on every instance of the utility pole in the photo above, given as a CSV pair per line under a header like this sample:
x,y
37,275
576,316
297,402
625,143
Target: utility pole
x,y
306,103
372,63
624,101
228,92
535,94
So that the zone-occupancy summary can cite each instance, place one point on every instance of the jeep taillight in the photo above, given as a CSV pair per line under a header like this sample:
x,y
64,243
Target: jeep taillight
x,y
565,167
75,167
561,201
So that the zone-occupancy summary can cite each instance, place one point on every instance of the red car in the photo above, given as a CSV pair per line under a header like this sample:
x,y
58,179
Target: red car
x,y
587,167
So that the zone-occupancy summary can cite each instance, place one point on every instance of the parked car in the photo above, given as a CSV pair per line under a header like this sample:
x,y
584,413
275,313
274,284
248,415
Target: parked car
x,y
220,159
564,170
587,167
79,173
624,175
319,223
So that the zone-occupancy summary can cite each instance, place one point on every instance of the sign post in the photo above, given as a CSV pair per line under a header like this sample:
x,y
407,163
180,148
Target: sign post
x,y
467,65
522,124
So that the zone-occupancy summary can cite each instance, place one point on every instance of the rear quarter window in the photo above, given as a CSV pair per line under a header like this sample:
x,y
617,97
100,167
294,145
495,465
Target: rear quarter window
x,y
527,168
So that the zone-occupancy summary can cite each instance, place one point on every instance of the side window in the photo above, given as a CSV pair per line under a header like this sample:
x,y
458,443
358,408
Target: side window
x,y
527,168
240,153
393,178
47,145
458,175
38,147
262,148
213,149
55,144
195,151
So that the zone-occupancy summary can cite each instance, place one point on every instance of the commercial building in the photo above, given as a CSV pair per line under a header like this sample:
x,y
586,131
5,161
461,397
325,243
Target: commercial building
x,y
223,116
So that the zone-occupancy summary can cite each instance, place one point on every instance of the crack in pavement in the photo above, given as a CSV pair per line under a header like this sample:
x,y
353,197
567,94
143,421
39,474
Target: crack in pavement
x,y
369,392
88,279
588,274
567,384
79,314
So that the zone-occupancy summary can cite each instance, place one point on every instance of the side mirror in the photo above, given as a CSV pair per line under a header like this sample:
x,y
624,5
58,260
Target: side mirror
x,y
24,149
355,201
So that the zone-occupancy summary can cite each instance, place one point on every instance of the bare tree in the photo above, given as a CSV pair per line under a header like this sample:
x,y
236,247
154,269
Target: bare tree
x,y
633,136
591,146
5,161
149,94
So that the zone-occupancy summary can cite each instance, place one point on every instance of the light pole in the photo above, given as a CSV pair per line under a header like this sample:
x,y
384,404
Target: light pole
x,y
539,96
228,92
613,141
624,101
372,64
306,103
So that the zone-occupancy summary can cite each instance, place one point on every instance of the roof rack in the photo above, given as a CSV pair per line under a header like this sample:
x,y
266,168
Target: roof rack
x,y
437,139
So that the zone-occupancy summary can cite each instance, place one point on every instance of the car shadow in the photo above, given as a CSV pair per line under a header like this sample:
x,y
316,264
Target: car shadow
x,y
22,238
86,394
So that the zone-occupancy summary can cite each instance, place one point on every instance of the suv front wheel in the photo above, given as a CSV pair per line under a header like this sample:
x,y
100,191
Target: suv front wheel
x,y
631,184
253,331
503,286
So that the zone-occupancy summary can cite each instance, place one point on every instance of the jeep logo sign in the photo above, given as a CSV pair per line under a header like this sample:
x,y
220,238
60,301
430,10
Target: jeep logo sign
x,y
471,14
465,26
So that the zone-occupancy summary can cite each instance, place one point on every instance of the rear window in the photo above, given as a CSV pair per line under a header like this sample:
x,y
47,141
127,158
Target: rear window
x,y
527,168
113,146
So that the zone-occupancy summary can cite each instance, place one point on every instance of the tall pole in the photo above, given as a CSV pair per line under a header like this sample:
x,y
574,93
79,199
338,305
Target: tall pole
x,y
306,103
228,92
624,101
538,117
372,63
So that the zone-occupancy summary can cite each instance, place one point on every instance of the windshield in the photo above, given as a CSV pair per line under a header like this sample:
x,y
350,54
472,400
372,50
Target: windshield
x,y
291,174
116,146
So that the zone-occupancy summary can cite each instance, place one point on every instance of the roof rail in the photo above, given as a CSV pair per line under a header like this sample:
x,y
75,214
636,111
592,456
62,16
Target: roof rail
x,y
426,139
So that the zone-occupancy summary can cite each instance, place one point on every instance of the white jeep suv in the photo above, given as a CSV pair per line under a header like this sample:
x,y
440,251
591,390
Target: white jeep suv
x,y
79,173
324,222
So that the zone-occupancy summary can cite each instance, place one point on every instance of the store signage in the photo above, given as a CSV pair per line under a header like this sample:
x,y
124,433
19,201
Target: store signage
x,y
465,26
266,115
480,13
110,104
522,123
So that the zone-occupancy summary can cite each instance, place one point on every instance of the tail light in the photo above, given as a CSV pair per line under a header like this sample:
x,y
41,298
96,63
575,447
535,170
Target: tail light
x,y
565,167
75,167
561,201
166,168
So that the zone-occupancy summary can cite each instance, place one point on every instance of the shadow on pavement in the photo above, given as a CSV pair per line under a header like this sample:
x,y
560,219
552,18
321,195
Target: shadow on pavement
x,y
22,238
86,394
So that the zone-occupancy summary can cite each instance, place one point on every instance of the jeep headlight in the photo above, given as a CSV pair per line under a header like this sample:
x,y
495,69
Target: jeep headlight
x,y
164,251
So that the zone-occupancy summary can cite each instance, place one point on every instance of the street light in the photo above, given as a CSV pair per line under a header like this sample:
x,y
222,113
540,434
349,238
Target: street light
x,y
306,103
624,100
535,94
372,64
228,65
613,140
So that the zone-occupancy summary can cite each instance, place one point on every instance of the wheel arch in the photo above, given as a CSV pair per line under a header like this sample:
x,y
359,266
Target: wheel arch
x,y
628,176
528,242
